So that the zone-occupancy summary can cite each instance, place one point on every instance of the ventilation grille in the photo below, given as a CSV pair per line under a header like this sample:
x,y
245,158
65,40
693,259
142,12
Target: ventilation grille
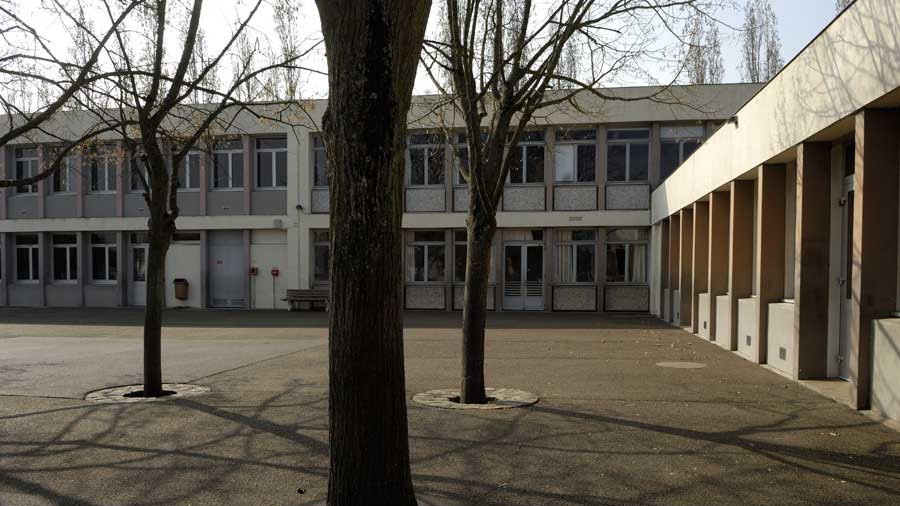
x,y
782,353
749,340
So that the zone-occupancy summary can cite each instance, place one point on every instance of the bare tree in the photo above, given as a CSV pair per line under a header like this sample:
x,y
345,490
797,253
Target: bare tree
x,y
761,44
152,113
507,59
703,52
286,15
372,47
840,5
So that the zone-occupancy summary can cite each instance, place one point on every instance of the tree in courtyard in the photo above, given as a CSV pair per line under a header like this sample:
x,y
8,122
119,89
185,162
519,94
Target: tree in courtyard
x,y
703,62
760,43
509,62
840,5
372,47
139,85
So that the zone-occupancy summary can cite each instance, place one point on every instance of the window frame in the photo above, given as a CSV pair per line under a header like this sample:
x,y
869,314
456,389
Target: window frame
x,y
31,162
628,144
524,145
316,244
191,185
427,246
575,243
318,146
34,259
576,143
70,250
109,165
465,244
66,167
231,152
106,247
274,163
435,143
628,268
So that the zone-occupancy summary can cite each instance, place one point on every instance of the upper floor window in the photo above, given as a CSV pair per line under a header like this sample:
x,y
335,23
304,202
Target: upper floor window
x,y
26,166
228,164
425,160
575,255
27,258
628,155
104,263
62,176
102,170
321,255
271,162
626,255
65,258
425,256
189,171
528,160
576,156
676,145
320,168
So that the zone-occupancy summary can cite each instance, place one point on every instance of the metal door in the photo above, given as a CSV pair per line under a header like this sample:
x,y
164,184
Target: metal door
x,y
227,269
846,280
523,281
138,270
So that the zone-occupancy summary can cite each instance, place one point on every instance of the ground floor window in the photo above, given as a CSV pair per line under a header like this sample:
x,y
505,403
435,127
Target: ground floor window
x,y
425,256
65,258
27,258
460,253
104,264
626,255
575,256
321,255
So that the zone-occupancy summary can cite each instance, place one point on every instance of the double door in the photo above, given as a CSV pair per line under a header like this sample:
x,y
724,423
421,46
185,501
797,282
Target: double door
x,y
523,279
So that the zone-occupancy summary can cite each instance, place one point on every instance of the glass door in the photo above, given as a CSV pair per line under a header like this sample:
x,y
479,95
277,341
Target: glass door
x,y
138,290
523,287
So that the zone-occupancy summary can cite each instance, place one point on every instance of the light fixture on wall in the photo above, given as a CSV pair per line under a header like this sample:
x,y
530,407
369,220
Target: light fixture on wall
x,y
733,119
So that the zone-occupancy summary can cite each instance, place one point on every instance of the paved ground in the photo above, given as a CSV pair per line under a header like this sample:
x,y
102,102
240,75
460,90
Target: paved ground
x,y
611,428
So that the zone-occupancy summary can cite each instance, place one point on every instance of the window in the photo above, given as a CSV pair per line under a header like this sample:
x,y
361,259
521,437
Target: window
x,y
102,168
460,159
62,178
26,166
186,237
676,145
460,252
425,160
321,255
575,256
189,171
626,255
104,264
65,258
425,256
528,162
320,168
27,258
628,155
271,163
576,156
228,165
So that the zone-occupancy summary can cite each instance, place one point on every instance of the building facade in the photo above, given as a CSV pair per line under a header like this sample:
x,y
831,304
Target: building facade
x,y
574,224
778,238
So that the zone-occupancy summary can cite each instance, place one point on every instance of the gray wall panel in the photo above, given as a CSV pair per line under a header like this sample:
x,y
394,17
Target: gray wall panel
x,y
225,203
189,203
21,206
63,295
24,295
575,198
628,196
101,295
134,205
100,205
61,206
626,298
269,202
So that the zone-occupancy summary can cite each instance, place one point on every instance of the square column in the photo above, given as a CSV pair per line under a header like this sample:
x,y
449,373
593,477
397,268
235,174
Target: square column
x,y
686,258
770,253
811,262
740,253
700,267
674,251
874,271
663,265
717,274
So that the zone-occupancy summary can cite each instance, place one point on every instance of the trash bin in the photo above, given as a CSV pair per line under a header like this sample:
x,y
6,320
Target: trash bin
x,y
181,289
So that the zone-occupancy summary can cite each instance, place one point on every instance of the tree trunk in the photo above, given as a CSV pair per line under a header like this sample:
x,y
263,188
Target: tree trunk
x,y
480,237
372,49
159,236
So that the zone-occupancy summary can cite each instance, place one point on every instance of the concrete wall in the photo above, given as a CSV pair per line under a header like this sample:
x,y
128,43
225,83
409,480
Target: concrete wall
x,y
703,315
747,326
523,198
268,202
99,205
102,295
676,307
627,196
320,202
426,199
61,206
460,199
184,261
780,337
225,202
21,207
575,298
135,205
268,250
425,296
886,367
574,197
458,293
723,321
626,298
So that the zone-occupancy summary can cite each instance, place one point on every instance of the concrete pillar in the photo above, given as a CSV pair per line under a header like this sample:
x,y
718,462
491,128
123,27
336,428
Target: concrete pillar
x,y
674,251
770,210
44,273
76,179
42,186
663,265
601,167
249,176
449,174
811,263
875,208
548,268
122,268
685,264
248,286
700,262
123,184
601,269
203,175
549,167
655,155
204,268
740,253
717,272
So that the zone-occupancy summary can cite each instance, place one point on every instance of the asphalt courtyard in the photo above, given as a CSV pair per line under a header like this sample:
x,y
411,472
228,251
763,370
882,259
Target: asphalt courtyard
x,y
612,427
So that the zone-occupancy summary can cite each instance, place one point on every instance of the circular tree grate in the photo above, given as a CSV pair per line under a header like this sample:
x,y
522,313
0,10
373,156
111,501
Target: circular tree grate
x,y
498,398
127,393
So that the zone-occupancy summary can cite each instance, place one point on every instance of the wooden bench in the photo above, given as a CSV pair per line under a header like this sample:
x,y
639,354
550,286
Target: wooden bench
x,y
295,297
